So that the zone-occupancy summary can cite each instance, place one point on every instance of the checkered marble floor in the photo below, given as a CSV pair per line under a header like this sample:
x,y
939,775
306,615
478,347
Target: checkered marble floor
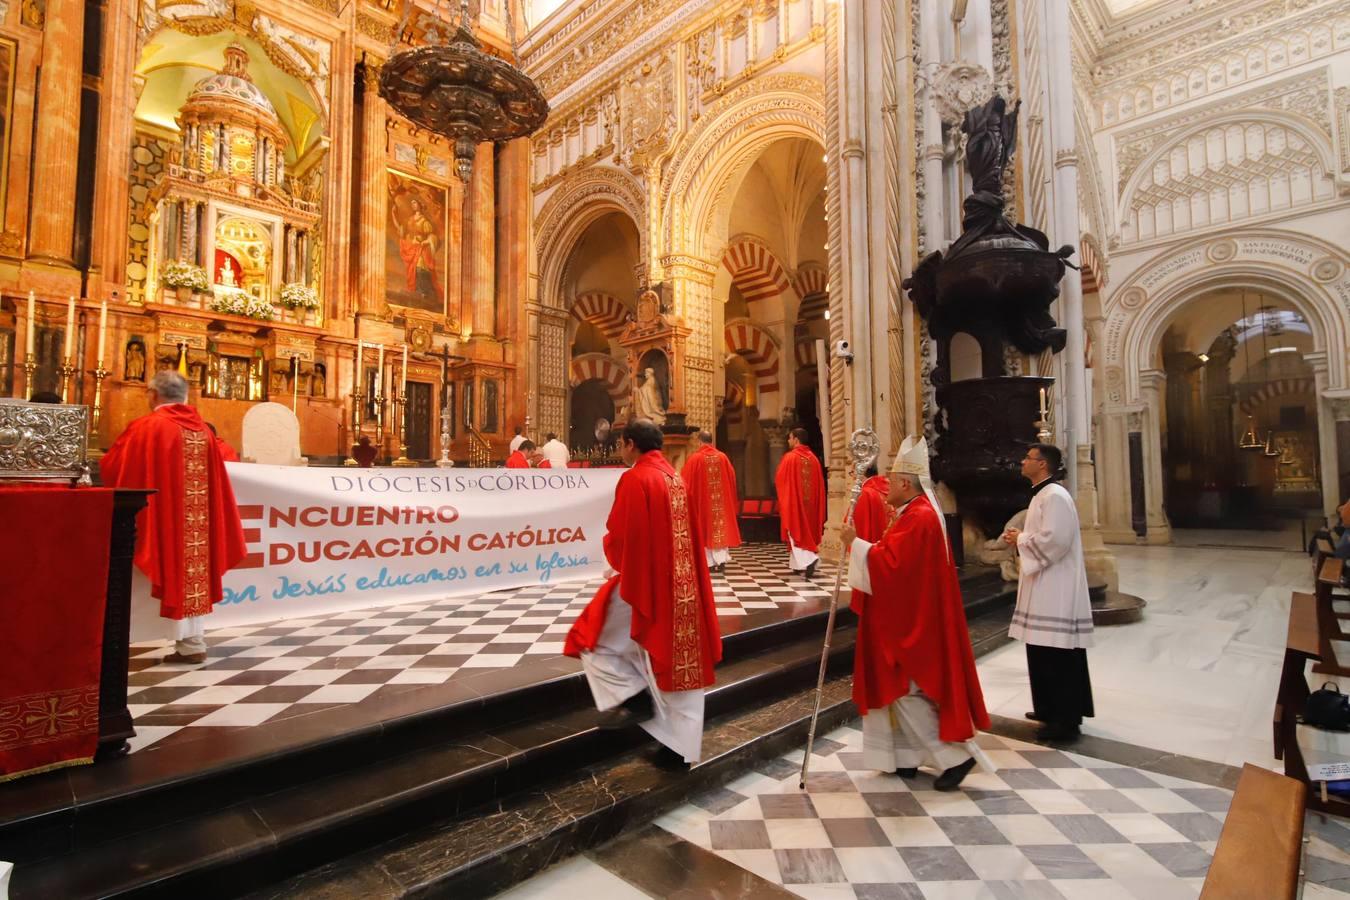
x,y
1047,824
265,672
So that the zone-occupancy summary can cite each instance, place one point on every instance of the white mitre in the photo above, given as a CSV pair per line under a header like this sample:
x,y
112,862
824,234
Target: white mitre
x,y
913,460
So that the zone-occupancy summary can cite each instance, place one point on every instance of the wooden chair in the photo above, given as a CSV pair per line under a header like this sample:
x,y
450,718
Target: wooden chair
x,y
1259,849
1328,620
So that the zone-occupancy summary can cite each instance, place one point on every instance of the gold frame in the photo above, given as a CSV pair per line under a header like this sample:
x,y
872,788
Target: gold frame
x,y
444,188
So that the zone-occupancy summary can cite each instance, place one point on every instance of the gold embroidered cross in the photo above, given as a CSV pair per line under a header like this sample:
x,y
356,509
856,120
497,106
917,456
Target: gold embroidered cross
x,y
52,716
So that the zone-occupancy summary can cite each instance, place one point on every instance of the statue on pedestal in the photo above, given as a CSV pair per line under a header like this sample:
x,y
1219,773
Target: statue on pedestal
x,y
647,403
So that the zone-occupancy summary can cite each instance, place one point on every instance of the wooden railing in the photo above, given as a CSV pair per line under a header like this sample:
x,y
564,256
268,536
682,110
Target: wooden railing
x,y
480,451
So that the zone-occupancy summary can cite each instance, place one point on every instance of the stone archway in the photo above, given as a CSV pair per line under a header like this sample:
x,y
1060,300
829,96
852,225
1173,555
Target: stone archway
x,y
700,182
1310,275
562,222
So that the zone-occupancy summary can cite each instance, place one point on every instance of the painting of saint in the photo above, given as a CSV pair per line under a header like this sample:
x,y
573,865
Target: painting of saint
x,y
415,251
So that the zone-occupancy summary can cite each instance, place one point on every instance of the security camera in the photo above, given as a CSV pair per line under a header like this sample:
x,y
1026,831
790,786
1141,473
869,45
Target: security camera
x,y
843,350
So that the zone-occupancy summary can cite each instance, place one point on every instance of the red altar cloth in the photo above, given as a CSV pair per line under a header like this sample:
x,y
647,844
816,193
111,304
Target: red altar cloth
x,y
54,577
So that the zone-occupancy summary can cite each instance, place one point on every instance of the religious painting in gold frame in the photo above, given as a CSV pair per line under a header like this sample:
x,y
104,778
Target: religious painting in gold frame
x,y
8,57
416,226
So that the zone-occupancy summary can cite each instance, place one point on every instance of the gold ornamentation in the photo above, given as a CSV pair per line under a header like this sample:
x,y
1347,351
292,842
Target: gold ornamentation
x,y
196,537
712,471
48,716
687,658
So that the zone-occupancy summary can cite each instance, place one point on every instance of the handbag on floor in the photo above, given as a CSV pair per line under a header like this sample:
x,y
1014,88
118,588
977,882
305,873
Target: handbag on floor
x,y
1327,708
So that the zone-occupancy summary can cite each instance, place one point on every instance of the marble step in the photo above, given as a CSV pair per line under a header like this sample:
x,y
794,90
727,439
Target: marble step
x,y
226,850
64,811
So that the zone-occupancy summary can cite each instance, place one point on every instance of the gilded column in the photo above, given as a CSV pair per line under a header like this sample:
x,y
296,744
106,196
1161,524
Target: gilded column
x,y
370,280
692,282
334,242
55,166
482,261
513,235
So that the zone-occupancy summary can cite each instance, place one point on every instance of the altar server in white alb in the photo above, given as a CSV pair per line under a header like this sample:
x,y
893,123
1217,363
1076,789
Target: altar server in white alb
x,y
1053,615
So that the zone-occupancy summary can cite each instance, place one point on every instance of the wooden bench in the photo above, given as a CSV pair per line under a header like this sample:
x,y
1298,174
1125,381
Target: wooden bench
x,y
1261,845
1328,586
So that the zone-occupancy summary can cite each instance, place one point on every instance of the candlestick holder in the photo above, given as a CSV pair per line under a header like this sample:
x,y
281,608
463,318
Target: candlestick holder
x,y
379,420
357,415
67,372
29,373
401,408
445,462
94,450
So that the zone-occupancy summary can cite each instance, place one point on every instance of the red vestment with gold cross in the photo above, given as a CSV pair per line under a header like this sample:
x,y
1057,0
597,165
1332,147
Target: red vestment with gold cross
x,y
801,498
656,547
711,482
189,535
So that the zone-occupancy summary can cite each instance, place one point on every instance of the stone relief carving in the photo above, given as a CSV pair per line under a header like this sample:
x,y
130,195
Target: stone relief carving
x,y
958,86
1343,125
647,120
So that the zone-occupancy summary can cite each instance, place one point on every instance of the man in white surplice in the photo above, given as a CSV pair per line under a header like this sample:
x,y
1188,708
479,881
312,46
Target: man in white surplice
x,y
1054,614
914,678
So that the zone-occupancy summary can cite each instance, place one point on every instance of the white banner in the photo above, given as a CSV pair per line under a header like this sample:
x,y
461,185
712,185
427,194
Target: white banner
x,y
322,540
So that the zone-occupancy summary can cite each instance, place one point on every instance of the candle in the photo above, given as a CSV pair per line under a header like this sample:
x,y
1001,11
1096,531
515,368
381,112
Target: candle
x,y
32,322
70,328
405,369
1042,403
379,371
102,330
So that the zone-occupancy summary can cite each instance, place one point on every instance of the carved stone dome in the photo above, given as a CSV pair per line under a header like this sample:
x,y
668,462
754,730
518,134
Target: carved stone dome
x,y
232,83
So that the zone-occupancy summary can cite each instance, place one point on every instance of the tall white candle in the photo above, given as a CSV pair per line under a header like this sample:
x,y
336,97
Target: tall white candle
x,y
1042,403
70,328
102,331
32,323
404,387
379,370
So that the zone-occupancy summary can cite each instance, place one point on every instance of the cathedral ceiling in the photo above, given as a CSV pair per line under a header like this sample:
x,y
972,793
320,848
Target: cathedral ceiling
x,y
174,62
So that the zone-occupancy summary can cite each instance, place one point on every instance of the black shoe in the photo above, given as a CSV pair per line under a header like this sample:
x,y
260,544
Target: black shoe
x,y
1056,733
810,571
1033,717
951,779
668,760
633,711
907,773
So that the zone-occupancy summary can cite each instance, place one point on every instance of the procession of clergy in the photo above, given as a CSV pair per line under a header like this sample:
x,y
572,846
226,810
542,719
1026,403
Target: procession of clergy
x,y
649,639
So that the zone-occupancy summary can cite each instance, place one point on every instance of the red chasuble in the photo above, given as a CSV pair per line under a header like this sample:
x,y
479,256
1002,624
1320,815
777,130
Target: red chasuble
x,y
871,515
712,496
189,535
227,453
517,460
914,626
656,547
801,498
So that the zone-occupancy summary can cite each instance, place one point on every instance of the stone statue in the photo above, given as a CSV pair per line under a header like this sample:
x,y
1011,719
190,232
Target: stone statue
x,y
647,402
996,552
134,370
227,273
316,383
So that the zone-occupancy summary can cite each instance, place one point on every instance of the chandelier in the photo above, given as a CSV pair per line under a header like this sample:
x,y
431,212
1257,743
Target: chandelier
x,y
459,91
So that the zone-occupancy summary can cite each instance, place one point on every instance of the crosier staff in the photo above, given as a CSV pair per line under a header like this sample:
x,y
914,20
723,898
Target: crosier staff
x,y
863,448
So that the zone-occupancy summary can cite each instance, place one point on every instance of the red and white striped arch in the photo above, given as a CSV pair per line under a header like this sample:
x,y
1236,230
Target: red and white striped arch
x,y
733,408
805,353
1280,387
605,368
759,351
605,311
755,270
813,286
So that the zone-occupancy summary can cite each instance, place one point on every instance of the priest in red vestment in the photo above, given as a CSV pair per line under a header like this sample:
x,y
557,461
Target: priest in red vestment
x,y
872,515
189,535
520,457
711,482
801,503
649,639
914,675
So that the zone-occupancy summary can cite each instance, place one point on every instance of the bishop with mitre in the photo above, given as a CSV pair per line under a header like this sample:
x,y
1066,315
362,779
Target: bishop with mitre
x,y
801,503
189,534
649,639
914,675
711,482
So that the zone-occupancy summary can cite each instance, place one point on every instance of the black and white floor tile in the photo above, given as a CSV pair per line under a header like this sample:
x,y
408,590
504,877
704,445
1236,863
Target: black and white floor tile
x,y
261,673
1048,824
